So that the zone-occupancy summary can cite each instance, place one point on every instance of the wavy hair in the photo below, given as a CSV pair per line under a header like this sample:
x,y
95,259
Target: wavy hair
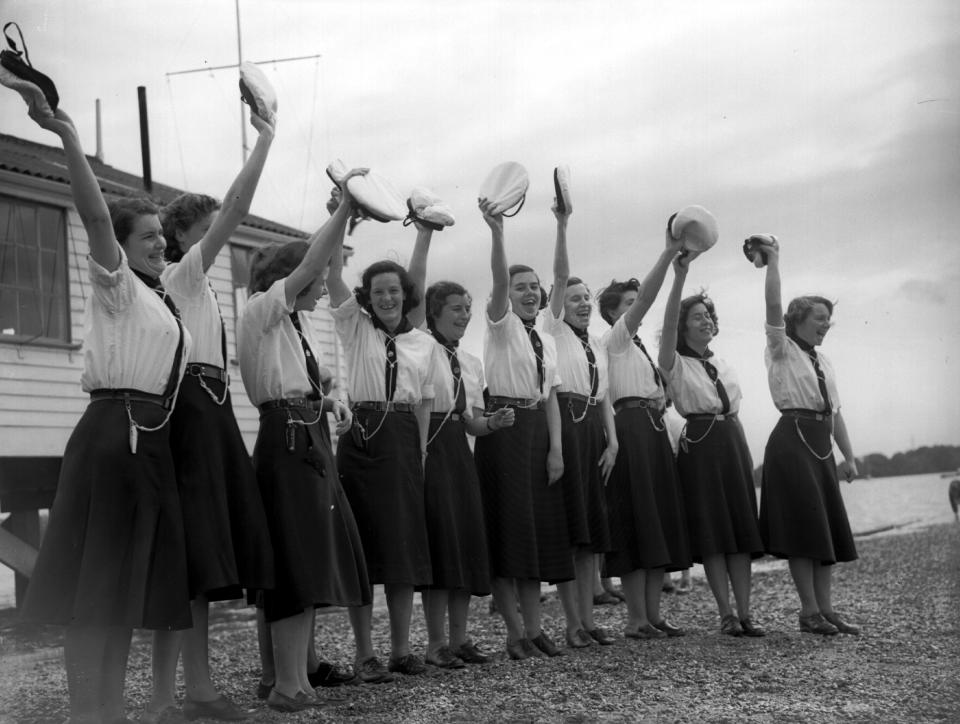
x,y
689,303
411,295
799,309
125,212
610,297
277,261
179,215
522,269
437,295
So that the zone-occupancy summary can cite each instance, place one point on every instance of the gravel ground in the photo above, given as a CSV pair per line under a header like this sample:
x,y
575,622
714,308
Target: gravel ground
x,y
904,590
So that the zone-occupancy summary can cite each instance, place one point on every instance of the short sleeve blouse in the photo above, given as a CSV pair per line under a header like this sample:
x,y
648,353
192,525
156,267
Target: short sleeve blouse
x,y
791,377
509,362
631,374
187,284
572,365
692,390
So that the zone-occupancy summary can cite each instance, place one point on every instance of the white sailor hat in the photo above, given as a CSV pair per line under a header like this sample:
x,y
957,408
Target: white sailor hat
x,y
505,188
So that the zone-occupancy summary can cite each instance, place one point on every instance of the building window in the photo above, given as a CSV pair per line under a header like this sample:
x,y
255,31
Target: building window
x,y
34,299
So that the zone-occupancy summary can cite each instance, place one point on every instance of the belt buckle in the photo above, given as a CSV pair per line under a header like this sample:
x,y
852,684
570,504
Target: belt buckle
x,y
195,369
591,400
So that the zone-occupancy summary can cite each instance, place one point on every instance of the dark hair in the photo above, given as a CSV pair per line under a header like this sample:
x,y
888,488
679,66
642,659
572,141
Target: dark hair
x,y
610,297
799,309
437,295
273,262
179,215
125,212
689,303
411,295
522,269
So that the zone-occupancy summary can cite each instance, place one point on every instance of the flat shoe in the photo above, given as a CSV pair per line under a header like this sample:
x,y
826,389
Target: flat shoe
x,y
601,636
543,642
220,708
517,651
730,626
263,690
842,626
372,671
579,639
408,665
470,654
328,675
669,629
817,624
646,632
284,703
444,658
751,629
605,599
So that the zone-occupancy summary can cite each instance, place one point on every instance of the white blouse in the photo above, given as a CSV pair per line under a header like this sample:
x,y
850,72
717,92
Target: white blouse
x,y
692,390
572,363
471,376
130,337
272,362
790,374
190,289
417,357
509,362
631,374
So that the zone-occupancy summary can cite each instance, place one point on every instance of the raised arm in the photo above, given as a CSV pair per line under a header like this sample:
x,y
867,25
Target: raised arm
x,y
651,284
325,242
499,303
236,202
671,315
561,263
771,288
418,272
93,211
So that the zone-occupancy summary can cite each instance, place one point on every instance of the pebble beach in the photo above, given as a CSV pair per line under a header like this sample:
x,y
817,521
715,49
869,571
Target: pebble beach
x,y
905,666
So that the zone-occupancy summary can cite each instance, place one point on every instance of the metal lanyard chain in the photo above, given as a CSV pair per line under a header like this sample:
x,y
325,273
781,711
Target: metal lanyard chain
x,y
796,424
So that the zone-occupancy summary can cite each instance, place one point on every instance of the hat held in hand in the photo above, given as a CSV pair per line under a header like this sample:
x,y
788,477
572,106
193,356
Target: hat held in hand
x,y
505,188
374,196
256,92
18,73
753,248
696,227
428,209
561,189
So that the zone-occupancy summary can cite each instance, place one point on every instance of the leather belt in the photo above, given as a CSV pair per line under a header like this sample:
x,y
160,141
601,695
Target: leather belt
x,y
456,416
129,395
383,406
710,416
287,402
805,414
519,402
577,397
649,403
200,369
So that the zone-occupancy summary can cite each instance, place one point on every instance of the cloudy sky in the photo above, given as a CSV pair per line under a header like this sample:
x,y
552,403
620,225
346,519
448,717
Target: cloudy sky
x,y
835,126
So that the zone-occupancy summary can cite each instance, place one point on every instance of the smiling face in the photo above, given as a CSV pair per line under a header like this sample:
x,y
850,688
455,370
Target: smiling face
x,y
815,325
454,316
386,298
145,244
525,294
698,328
198,229
577,306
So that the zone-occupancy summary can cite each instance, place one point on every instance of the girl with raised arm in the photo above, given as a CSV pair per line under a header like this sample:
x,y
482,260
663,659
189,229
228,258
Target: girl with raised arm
x,y
716,472
647,525
228,544
113,557
520,466
588,437
458,541
318,556
392,366
802,515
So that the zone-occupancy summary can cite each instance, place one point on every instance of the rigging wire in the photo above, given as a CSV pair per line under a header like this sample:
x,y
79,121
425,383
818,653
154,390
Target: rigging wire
x,y
176,134
309,154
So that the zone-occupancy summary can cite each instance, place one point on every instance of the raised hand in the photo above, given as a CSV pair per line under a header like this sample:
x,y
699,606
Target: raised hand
x,y
493,218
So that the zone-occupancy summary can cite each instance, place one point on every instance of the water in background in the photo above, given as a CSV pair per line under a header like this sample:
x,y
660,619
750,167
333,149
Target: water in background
x,y
874,505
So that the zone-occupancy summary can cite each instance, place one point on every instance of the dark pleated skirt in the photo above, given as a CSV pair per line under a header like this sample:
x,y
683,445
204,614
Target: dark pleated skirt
x,y
383,478
114,553
716,480
228,541
583,494
318,555
526,519
458,539
648,524
801,510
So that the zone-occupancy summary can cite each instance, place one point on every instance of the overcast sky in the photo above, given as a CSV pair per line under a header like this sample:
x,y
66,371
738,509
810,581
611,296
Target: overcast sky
x,y
834,125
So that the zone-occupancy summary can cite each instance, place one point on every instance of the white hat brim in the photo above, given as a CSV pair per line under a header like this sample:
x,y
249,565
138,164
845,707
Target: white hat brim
x,y
261,90
696,226
505,187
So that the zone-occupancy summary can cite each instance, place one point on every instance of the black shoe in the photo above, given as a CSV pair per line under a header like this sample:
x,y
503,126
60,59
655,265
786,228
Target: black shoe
x,y
730,625
543,642
408,665
470,654
817,624
842,626
372,671
444,658
751,629
601,636
329,675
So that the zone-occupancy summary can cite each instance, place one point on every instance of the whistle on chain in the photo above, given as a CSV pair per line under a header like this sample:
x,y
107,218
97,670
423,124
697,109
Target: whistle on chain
x,y
290,433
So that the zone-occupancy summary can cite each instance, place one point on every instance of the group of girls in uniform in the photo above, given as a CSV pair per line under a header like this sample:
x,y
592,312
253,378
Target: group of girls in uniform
x,y
159,510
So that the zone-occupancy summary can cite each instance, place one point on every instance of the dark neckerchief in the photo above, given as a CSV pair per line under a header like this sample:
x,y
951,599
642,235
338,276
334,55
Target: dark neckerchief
x,y
450,347
537,345
817,370
656,372
684,349
155,285
584,337
390,345
313,368
174,377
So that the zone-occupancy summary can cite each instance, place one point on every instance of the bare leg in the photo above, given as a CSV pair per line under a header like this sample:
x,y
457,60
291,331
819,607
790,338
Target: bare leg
x,y
115,656
822,585
529,594
505,596
459,603
287,646
435,613
653,593
715,567
400,608
585,564
634,588
306,627
361,619
166,651
802,571
739,567
268,672
571,609
196,654
313,660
